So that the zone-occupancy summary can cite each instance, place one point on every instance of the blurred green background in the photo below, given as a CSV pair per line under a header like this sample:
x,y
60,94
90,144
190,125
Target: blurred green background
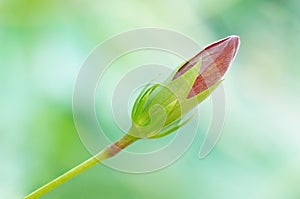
x,y
44,43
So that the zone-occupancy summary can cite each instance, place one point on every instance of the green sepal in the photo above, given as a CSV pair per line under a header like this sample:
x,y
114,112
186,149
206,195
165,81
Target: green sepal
x,y
140,104
171,128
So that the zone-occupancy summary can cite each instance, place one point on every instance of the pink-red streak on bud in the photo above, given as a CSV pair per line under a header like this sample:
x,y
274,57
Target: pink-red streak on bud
x,y
215,60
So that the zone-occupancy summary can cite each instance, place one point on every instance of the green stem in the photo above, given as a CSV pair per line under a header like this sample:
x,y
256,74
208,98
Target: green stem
x,y
108,152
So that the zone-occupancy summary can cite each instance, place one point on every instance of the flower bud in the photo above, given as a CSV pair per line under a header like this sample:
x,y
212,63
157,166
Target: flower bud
x,y
159,108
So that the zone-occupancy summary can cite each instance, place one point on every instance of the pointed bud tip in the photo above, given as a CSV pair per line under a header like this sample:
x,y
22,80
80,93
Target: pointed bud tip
x,y
232,41
235,40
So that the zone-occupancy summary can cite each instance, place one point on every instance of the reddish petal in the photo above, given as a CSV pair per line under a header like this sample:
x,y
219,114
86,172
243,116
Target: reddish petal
x,y
216,59
207,55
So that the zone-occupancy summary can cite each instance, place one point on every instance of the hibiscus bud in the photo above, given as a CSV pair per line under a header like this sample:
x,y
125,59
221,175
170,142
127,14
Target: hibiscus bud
x,y
159,108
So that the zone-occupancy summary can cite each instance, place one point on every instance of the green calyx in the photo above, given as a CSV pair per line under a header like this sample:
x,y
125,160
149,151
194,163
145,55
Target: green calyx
x,y
159,108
